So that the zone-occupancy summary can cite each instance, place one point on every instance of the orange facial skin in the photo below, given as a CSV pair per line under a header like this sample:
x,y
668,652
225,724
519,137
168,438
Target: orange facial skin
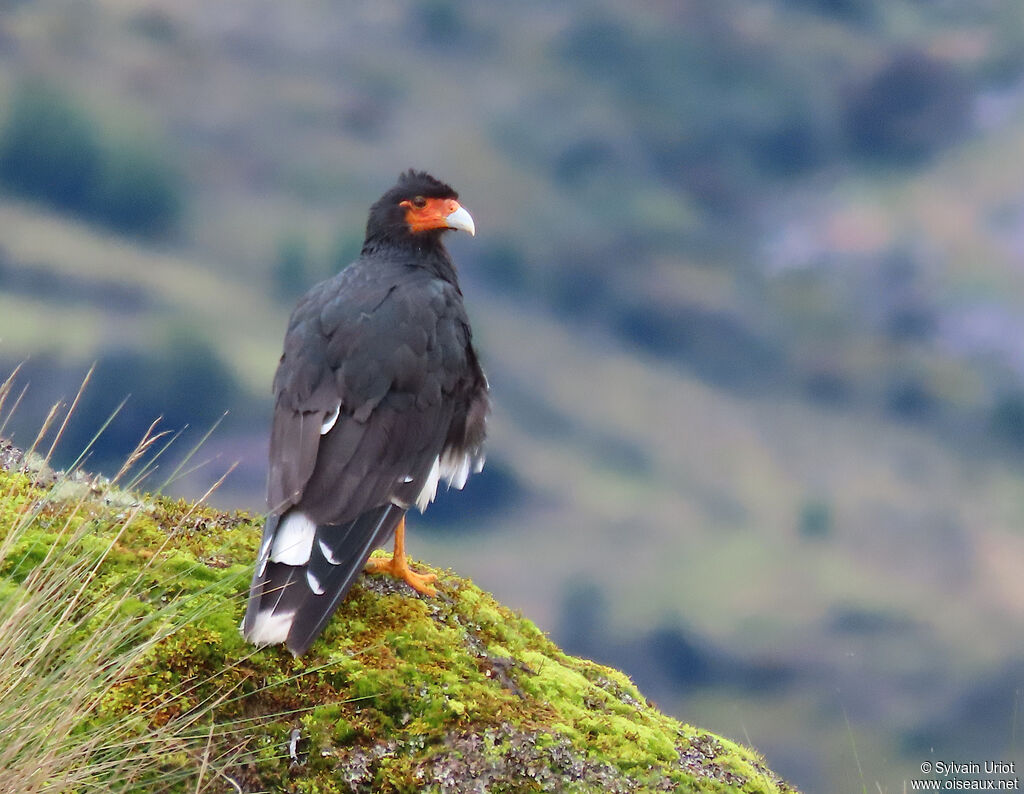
x,y
432,215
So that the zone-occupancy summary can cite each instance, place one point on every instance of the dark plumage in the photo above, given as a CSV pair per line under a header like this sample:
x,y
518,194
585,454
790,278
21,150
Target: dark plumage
x,y
378,394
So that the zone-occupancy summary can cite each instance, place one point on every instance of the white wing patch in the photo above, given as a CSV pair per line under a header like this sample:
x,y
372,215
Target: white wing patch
x,y
329,420
271,629
314,582
326,551
429,490
293,540
453,467
457,468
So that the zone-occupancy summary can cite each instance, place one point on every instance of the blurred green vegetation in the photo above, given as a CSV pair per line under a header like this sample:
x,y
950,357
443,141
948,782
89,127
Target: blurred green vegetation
x,y
1008,418
52,150
912,107
291,268
815,521
183,383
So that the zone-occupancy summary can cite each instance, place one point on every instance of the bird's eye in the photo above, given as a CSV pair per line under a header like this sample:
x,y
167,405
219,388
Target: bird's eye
x,y
419,202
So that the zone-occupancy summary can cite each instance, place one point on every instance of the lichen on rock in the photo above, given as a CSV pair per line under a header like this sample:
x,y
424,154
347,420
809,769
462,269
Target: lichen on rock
x,y
401,693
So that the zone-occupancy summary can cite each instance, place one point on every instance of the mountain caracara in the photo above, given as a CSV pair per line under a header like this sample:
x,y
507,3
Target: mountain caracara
x,y
378,396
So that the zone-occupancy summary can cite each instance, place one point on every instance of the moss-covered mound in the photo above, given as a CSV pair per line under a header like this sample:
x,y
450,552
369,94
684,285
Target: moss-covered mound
x,y
401,694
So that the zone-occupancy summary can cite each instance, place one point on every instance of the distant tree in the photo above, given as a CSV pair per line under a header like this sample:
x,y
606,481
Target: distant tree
x,y
290,272
718,346
580,159
345,250
184,382
680,654
501,264
795,145
582,621
50,148
847,10
573,288
909,397
600,44
139,191
487,494
815,519
1007,421
440,23
157,25
912,106
197,386
828,386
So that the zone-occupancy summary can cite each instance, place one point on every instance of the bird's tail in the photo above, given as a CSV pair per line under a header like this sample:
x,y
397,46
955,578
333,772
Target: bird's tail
x,y
304,570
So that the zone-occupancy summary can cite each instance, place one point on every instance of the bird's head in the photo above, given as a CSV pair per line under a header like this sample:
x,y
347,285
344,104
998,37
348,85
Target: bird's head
x,y
418,207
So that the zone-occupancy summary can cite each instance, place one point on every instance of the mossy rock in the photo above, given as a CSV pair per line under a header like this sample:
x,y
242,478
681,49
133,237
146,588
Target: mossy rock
x,y
402,693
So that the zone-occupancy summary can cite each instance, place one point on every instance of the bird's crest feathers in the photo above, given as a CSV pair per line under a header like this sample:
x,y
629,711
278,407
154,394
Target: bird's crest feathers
x,y
420,183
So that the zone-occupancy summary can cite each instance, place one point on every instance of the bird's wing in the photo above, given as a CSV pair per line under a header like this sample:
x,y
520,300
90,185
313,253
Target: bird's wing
x,y
373,378
366,395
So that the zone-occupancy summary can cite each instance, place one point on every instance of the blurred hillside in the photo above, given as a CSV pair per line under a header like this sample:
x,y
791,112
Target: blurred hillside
x,y
748,285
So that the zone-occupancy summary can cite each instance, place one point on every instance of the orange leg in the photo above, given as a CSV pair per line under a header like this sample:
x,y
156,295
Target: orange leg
x,y
398,566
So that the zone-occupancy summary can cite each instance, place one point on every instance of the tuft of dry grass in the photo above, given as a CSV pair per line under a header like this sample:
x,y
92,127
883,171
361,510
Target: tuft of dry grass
x,y
63,650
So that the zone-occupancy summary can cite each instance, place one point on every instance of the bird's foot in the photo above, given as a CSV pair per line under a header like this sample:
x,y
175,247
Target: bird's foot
x,y
398,567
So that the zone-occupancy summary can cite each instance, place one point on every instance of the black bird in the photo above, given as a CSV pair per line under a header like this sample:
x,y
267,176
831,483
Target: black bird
x,y
378,396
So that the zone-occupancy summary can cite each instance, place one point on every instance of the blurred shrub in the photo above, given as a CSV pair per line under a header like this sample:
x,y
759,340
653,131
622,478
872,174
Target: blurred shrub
x,y
501,265
909,397
713,115
681,655
50,149
579,159
486,496
600,44
815,519
828,386
53,151
440,23
58,288
344,251
138,191
156,25
911,321
583,617
865,621
790,146
846,10
290,273
907,110
1007,422
717,346
185,383
575,288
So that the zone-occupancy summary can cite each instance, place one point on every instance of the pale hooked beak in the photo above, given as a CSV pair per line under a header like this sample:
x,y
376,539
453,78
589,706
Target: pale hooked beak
x,y
460,219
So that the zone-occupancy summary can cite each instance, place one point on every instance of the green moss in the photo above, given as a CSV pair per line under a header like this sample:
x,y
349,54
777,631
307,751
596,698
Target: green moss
x,y
400,694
